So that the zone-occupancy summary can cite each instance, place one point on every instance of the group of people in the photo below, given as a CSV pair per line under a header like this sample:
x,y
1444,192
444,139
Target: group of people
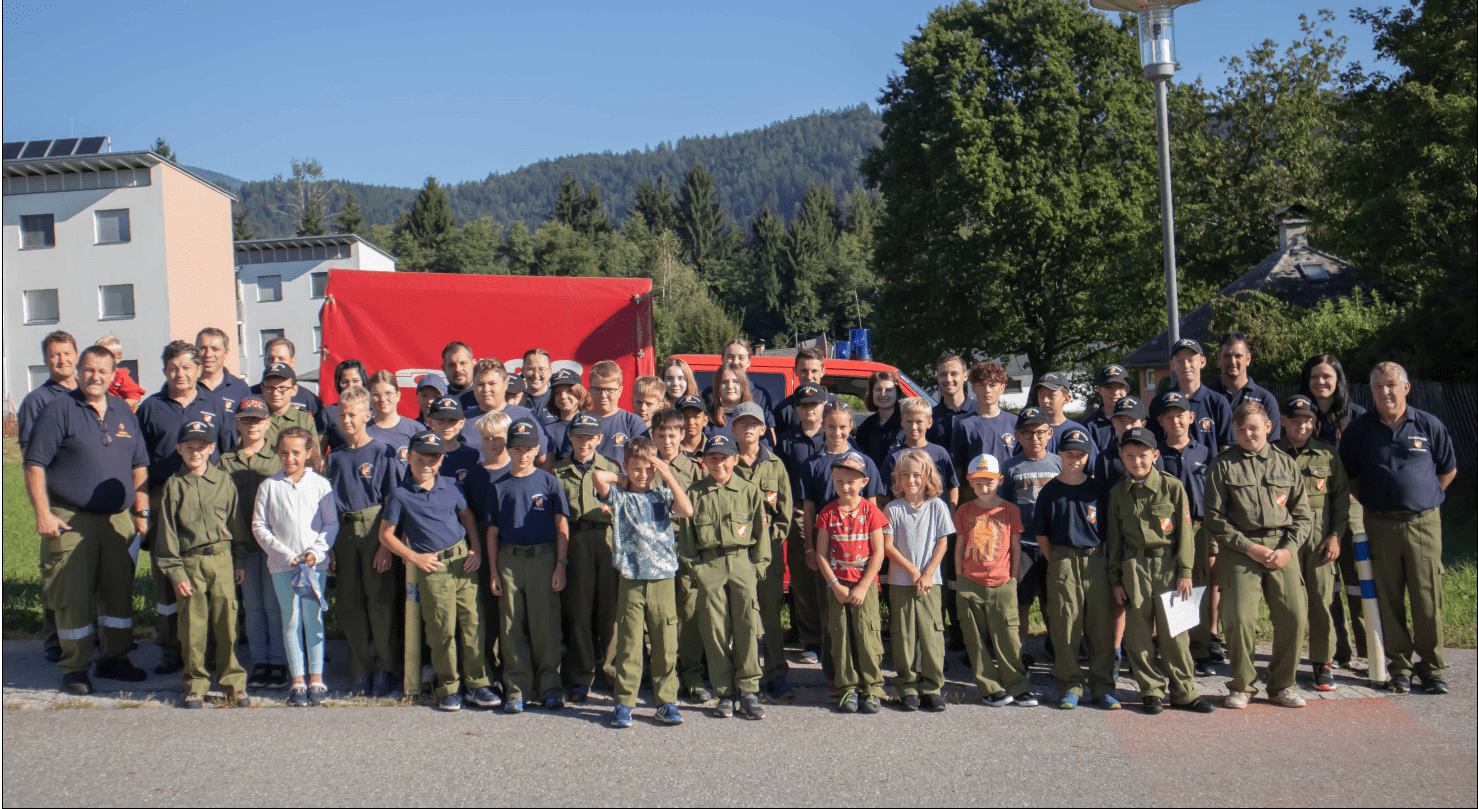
x,y
554,539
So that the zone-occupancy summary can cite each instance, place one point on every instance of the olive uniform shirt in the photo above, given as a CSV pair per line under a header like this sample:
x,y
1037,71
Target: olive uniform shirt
x,y
248,472
769,474
292,418
1151,514
1256,495
727,516
1325,484
197,511
579,489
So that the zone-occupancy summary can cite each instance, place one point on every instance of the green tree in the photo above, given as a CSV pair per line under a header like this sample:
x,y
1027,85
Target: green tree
x,y
349,219
1018,166
1355,329
518,251
241,229
810,259
582,211
311,222
702,223
767,254
686,319
1410,173
162,149
429,217
656,204
304,197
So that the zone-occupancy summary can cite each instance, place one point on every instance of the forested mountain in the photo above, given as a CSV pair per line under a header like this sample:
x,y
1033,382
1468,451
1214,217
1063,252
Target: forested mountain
x,y
768,166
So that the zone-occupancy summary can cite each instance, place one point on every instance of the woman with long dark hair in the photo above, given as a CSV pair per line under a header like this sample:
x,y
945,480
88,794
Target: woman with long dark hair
x,y
1323,380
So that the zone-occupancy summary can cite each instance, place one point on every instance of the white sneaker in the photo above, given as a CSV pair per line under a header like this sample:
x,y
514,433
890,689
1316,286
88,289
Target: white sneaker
x,y
1236,701
1288,698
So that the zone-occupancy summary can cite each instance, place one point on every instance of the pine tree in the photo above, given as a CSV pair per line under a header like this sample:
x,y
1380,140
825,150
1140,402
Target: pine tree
x,y
430,215
348,219
655,203
162,149
517,252
311,223
583,211
701,220
767,243
241,229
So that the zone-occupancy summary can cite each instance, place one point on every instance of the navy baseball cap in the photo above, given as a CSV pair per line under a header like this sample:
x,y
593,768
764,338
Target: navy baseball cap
x,y
445,407
1051,381
1300,405
563,376
516,385
1074,439
279,370
427,443
252,408
1031,416
810,393
523,433
850,460
586,422
1172,398
1130,406
197,430
1138,435
1187,343
691,402
1112,375
431,381
721,445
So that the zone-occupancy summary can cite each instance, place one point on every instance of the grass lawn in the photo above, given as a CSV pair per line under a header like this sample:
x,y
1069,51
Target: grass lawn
x,y
22,584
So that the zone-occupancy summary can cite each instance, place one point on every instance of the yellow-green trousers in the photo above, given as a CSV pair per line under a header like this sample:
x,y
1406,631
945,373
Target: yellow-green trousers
x,y
856,635
1319,589
1200,634
87,576
588,605
1243,583
211,608
729,619
1079,599
916,627
689,634
366,597
650,606
1145,578
1406,554
988,615
449,608
166,607
529,610
771,597
807,600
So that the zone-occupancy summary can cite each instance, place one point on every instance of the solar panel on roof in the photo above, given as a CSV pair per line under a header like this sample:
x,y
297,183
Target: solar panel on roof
x,y
13,149
62,147
90,146
1314,271
36,148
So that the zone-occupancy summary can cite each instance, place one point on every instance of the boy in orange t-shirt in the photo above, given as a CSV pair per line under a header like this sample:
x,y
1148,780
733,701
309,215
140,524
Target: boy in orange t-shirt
x,y
988,555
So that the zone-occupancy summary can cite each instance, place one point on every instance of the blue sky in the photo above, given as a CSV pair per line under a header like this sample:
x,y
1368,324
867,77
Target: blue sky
x,y
392,92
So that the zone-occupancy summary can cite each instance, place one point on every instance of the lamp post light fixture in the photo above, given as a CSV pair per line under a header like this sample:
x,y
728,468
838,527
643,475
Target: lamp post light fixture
x,y
1157,56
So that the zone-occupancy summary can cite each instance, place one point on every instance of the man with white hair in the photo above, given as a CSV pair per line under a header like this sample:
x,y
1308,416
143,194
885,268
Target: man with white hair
x,y
1400,461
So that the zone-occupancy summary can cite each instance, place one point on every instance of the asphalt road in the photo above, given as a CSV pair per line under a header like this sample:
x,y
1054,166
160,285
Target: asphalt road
x,y
1407,751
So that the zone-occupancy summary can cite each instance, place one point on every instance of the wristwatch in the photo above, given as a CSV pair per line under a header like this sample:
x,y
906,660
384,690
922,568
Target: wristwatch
x,y
561,561
144,514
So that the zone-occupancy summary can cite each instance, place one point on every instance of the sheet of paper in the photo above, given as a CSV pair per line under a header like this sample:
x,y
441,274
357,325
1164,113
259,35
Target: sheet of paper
x,y
1182,613
133,547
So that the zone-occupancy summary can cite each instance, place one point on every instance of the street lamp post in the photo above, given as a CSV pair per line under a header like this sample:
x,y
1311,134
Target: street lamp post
x,y
1157,55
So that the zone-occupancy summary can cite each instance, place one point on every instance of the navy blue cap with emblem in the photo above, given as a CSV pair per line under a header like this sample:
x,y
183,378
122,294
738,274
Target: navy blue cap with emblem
x,y
1138,435
427,443
850,460
523,433
1051,381
563,376
1171,399
1186,343
810,393
1130,406
279,370
1299,406
586,422
197,430
516,385
445,407
1112,375
721,445
252,408
1074,439
1030,417
691,402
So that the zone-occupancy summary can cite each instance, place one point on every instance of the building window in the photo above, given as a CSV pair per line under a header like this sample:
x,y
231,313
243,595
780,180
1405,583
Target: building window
x,y
132,367
39,374
268,335
317,338
320,284
112,226
38,231
115,302
42,306
269,288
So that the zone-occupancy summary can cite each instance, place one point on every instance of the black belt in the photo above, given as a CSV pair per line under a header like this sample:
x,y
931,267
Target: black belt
x,y
452,552
1076,551
208,550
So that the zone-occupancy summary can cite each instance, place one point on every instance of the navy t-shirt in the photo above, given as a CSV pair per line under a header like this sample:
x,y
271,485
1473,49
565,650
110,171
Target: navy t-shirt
x,y
1213,424
976,435
948,478
1068,515
879,439
1397,469
1188,465
1100,428
816,482
476,487
460,462
397,437
160,419
31,407
472,436
616,429
559,440
89,461
942,431
362,477
328,426
524,508
796,450
428,518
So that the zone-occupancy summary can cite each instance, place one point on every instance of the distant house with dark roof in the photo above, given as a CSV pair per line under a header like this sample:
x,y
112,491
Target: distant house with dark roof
x,y
1296,272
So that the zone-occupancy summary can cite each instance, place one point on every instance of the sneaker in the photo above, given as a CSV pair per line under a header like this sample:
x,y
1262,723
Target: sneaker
x,y
76,682
1323,678
699,695
53,654
1000,699
749,705
580,693
298,698
934,703
870,704
724,709
1196,705
1203,668
1068,702
554,700
281,678
169,663
1236,701
484,697
1433,684
450,702
910,702
514,705
1340,662
318,692
1026,699
1152,705
1399,684
810,656
781,691
621,716
121,669
668,714
1217,649
1288,698
384,685
193,702
1108,702
260,674
361,685
848,702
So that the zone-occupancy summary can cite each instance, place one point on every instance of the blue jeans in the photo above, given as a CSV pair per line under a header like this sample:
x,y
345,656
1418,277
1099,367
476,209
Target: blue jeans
x,y
302,624
263,613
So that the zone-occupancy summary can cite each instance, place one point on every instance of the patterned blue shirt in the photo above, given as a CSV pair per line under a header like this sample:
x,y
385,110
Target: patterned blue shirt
x,y
643,546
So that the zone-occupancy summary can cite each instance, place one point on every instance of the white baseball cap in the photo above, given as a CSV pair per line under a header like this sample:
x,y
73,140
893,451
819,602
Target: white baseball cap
x,y
984,466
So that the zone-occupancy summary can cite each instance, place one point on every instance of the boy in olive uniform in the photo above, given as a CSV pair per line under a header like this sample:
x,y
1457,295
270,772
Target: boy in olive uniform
x,y
1258,514
763,468
279,385
589,598
1328,491
668,431
248,465
1151,549
201,532
728,547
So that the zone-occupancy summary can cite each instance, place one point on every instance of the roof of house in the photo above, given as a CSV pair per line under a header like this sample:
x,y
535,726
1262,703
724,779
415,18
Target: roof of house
x,y
309,241
105,161
1292,273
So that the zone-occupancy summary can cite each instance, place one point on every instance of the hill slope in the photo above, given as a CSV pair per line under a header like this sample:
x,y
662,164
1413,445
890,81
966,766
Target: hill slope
x,y
771,165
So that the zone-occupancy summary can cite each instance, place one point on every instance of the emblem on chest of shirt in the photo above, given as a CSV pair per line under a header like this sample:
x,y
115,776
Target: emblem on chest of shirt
x,y
618,439
209,418
770,497
538,501
1093,515
122,433
1008,438
403,453
1206,425
1165,524
365,470
1281,498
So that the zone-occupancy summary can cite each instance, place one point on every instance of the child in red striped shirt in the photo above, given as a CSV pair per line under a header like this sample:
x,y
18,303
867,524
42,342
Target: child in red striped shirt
x,y
849,553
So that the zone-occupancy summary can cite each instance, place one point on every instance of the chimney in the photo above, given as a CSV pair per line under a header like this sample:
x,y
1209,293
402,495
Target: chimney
x,y
1293,227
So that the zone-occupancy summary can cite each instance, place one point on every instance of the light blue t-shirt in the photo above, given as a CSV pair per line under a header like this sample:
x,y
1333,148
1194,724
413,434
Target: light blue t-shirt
x,y
643,545
916,532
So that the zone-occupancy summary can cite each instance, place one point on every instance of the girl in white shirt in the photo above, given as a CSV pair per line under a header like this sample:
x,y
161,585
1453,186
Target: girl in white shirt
x,y
295,521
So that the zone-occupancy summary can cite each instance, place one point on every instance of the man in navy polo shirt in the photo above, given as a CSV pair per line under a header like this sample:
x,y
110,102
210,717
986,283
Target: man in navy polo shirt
x,y
85,467
1113,385
457,363
1213,425
810,368
955,401
214,346
1233,357
59,352
1400,461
